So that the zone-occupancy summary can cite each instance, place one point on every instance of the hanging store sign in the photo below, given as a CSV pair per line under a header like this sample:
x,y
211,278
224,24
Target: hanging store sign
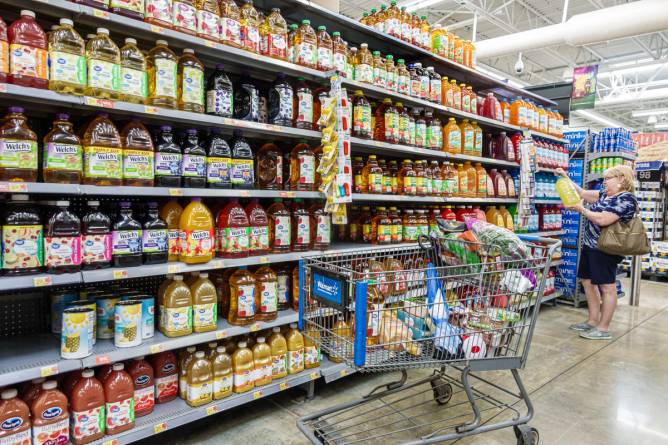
x,y
583,95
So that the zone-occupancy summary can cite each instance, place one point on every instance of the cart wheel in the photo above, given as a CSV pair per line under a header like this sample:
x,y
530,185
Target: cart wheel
x,y
526,435
442,392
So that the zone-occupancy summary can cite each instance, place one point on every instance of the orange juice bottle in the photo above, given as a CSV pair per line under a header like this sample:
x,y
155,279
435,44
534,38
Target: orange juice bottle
x,y
439,40
456,95
196,233
102,152
452,137
306,45
446,92
262,362
466,99
494,217
199,381
242,298
481,181
170,212
248,27
279,354
222,374
468,137
478,139
459,50
230,29
295,342
266,294
471,180
517,112
177,302
242,363
507,218
425,32
468,53
543,118
463,176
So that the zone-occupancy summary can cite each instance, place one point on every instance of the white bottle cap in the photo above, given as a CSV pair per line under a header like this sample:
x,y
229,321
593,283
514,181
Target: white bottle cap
x,y
199,354
62,203
130,40
260,339
293,325
49,384
118,366
276,329
87,373
191,349
204,275
90,36
221,349
242,344
178,277
103,31
38,380
213,345
188,51
66,22
161,42
20,197
28,13
8,394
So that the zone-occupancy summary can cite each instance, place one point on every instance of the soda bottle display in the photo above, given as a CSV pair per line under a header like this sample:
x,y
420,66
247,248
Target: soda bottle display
x,y
162,77
138,156
27,52
190,80
167,159
67,53
193,166
133,78
103,154
155,237
219,93
104,66
248,21
126,238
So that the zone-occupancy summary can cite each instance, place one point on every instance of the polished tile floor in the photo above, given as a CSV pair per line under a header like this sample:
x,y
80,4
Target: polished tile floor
x,y
584,392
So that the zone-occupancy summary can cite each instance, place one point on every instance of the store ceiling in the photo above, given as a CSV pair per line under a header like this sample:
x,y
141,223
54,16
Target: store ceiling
x,y
624,88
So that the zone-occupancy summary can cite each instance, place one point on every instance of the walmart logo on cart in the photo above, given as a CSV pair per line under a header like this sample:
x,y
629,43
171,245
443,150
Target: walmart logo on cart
x,y
327,288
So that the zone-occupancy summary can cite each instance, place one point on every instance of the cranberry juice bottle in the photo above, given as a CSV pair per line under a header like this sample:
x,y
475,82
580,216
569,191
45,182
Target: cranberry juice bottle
x,y
95,238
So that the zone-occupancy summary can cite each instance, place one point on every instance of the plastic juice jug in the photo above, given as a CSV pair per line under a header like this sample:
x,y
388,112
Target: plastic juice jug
x,y
325,54
567,192
405,130
507,218
158,12
321,228
270,167
27,52
219,93
50,417
452,137
280,231
221,364
171,214
292,48
15,419
162,74
339,342
273,35
21,238
242,363
208,19
30,390
434,132
199,381
126,238
133,78
262,362
358,167
339,54
302,167
102,152
468,137
407,179
63,155
96,238
306,45
462,176
242,171
249,23
450,180
364,64
67,55
233,230
103,372
435,89
4,54
230,28
62,241
311,348
104,59
218,161
421,178
372,176
185,358
392,74
481,181
281,102
361,116
196,236
510,184
302,107
141,373
266,294
193,165
279,351
190,80
301,226
478,136
500,187
242,298
466,98
258,240
379,70
184,16
155,237
295,342
283,273
456,95
18,148
387,123
167,159
178,319
138,156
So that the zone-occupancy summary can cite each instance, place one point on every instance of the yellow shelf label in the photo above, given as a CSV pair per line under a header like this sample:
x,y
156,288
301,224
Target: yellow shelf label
x,y
48,370
41,281
110,442
217,264
314,375
159,427
254,327
212,410
257,394
291,194
221,334
157,29
173,268
100,13
175,192
154,349
343,373
18,187
120,274
283,386
150,109
264,259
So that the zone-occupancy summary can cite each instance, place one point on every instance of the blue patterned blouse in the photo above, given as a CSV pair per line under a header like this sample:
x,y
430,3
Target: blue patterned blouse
x,y
623,205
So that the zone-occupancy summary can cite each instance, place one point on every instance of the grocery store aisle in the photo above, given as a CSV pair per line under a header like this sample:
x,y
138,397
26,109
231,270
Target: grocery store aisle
x,y
584,391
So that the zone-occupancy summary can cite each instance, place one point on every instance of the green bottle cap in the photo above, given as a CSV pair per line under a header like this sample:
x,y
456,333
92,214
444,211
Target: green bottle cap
x,y
402,61
373,10
322,28
383,7
423,17
336,34
306,22
376,53
389,57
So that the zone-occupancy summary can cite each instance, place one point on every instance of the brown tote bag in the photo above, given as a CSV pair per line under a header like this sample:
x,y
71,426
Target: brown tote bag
x,y
625,239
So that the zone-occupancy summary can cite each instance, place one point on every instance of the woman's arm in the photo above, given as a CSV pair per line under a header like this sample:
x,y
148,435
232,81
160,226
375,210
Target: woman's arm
x,y
589,196
602,219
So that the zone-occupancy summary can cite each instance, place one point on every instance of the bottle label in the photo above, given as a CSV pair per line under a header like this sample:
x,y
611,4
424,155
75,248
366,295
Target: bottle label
x,y
435,90
246,300
230,31
307,54
208,24
137,164
311,356
362,120
437,186
466,102
304,107
154,240
459,54
251,37
129,5
451,186
126,242
86,423
421,185
196,242
220,102
421,135
242,379
159,10
218,170
262,372
51,434
403,85
455,140
200,392
63,157
16,153
284,104
424,87
62,251
391,82
96,248
259,238
306,169
241,172
282,231
173,241
415,87
406,31
279,364
410,233
478,142
295,360
178,319
22,247
66,67
469,140
463,184
363,72
395,233
222,386
144,398
323,232
391,126
379,76
340,62
325,61
375,183
283,289
165,77
120,413
193,166
410,185
303,230
457,99
27,61
134,82
104,75
277,45
384,233
234,239
184,15
268,297
192,89
167,386
167,164
205,315
373,326
103,162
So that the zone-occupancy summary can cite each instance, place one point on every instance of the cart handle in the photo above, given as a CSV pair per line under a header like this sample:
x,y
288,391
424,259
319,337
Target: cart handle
x,y
537,239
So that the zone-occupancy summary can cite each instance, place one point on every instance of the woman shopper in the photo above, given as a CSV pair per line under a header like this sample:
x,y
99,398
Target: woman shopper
x,y
597,270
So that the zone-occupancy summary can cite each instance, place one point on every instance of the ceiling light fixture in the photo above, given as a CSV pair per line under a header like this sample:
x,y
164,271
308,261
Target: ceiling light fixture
x,y
632,70
652,120
596,117
645,113
661,126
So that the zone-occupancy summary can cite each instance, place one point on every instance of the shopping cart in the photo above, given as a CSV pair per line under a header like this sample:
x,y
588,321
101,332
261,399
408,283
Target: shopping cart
x,y
448,305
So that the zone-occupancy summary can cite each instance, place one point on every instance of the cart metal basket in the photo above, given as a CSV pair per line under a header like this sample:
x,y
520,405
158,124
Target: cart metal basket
x,y
448,304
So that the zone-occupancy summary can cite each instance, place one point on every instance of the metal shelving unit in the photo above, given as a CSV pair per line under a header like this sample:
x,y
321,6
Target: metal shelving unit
x,y
426,199
555,201
545,136
612,154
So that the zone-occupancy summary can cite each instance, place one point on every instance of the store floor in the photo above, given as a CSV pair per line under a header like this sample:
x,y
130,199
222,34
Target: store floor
x,y
584,392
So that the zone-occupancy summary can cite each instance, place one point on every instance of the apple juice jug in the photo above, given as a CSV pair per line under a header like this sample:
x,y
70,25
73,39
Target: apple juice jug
x,y
196,236
258,239
218,161
158,12
325,53
242,298
219,93
279,354
230,32
50,417
167,160
242,171
27,52
171,214
133,78
177,320
233,230
266,294
321,227
15,419
208,19
155,237
138,156
339,53
162,77
295,342
223,375
104,59
141,373
301,226
311,348
243,366
302,105
248,27
306,44
184,16
262,362
62,241
87,419
193,165
18,148
186,356
67,55
102,152
280,232
199,381
190,79
63,154
126,238
96,238
567,192
361,116
274,39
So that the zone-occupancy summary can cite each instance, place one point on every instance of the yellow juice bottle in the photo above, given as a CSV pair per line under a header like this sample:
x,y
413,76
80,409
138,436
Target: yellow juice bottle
x,y
222,374
274,36
160,297
249,27
243,368
190,80
452,137
171,214
230,28
162,79
311,348
481,181
104,66
339,342
185,357
567,192
463,181
279,354
200,381
507,218
196,233
295,342
103,152
178,319
242,298
477,145
205,304
468,137
67,56
456,95
262,362
134,83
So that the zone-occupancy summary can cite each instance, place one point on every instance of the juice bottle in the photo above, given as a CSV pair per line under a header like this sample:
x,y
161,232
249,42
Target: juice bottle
x,y
242,172
21,238
270,167
425,32
242,298
434,131
281,102
96,238
133,81
62,241
468,138
339,341
301,227
162,74
361,116
339,54
18,148
478,137
15,418
184,16
102,152
221,364
138,156
471,180
481,181
295,342
193,167
259,228
27,52
407,179
403,77
67,55
196,236
420,129
302,167
387,123
165,370
450,180
292,48
154,237
456,95
190,78
364,65
219,93
171,214
50,417
119,396
30,390
141,373
4,56
262,361
87,402
104,66
126,238
167,160
507,218
273,35
279,354
283,272
279,227
302,108
466,98
266,294
218,161
372,176
494,216
311,348
321,228
325,51
199,381
393,20
62,162
158,12
242,363
233,230
452,137
567,192
435,88
439,40
208,19
230,27
359,186
379,70
247,100
391,73
185,358
248,27
178,319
